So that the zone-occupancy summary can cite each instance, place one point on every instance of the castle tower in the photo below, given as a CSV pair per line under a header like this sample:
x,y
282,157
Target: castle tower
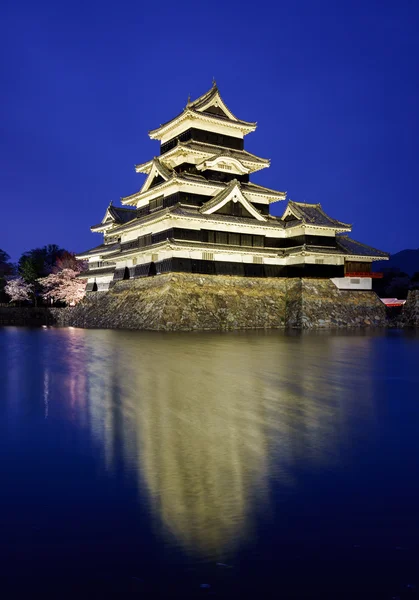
x,y
198,211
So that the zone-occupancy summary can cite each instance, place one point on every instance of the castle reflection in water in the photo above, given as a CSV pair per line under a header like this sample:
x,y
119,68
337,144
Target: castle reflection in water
x,y
205,423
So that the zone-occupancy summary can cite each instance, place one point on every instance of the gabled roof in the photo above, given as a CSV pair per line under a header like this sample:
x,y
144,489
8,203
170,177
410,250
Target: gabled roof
x,y
232,192
251,188
207,150
114,215
311,214
121,214
157,168
212,99
199,108
350,246
223,158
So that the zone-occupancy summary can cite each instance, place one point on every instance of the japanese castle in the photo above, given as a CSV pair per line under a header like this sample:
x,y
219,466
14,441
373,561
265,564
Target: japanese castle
x,y
198,212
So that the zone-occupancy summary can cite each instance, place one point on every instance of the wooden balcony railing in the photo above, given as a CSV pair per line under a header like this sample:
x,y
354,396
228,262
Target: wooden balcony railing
x,y
364,274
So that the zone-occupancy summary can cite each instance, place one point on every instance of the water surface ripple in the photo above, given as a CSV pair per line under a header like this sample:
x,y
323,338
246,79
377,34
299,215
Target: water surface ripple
x,y
237,461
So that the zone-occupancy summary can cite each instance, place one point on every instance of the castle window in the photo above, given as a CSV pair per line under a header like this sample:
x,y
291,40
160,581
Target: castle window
x,y
246,239
221,237
157,203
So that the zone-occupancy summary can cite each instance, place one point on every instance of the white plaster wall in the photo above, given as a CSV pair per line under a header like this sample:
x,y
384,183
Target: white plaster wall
x,y
258,228
352,283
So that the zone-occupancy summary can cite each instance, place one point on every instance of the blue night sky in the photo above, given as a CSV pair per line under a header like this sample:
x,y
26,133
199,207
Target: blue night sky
x,y
333,86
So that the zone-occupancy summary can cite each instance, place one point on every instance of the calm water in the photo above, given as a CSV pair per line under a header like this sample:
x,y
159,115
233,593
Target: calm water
x,y
141,461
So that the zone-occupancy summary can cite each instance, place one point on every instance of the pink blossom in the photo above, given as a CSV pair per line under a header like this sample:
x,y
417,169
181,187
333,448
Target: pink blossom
x,y
18,290
63,284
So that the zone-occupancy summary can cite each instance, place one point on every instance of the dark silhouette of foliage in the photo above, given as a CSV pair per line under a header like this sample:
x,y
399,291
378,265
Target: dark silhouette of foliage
x,y
37,263
6,270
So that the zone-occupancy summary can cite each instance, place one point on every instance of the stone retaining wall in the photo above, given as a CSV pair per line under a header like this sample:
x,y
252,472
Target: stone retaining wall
x,y
410,314
185,302
324,306
27,316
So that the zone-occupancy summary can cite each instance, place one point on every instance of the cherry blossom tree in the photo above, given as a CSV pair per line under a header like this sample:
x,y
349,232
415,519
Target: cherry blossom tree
x,y
18,290
63,283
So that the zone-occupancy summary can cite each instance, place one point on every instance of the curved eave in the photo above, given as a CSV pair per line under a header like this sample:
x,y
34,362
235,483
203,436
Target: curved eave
x,y
243,126
101,227
272,195
84,256
134,198
174,243
357,251
212,163
334,228
213,149
366,256
90,254
144,167
306,250
247,160
294,208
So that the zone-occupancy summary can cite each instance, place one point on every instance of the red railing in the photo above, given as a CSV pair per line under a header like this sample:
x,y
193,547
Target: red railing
x,y
364,274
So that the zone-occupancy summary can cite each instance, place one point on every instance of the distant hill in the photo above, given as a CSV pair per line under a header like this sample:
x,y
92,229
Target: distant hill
x,y
405,260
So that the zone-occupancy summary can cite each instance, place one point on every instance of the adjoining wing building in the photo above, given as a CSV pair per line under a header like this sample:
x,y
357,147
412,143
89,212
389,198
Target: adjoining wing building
x,y
199,212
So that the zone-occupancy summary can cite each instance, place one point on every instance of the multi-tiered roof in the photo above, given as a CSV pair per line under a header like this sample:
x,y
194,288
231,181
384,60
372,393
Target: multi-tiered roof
x,y
198,211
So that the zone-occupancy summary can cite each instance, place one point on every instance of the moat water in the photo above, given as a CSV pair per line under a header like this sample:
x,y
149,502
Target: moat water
x,y
190,465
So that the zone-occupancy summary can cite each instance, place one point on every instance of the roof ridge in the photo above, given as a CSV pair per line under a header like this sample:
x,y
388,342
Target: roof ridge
x,y
161,167
208,115
221,194
300,205
221,148
204,97
349,239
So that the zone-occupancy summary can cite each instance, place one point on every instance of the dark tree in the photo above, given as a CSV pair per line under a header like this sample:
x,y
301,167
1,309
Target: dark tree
x,y
38,263
414,281
6,269
398,286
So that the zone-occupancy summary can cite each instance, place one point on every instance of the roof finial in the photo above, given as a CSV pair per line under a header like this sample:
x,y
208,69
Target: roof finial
x,y
189,100
214,83
111,203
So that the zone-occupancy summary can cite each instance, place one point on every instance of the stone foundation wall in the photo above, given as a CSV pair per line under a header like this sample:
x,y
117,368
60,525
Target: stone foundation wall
x,y
186,302
410,314
27,316
323,305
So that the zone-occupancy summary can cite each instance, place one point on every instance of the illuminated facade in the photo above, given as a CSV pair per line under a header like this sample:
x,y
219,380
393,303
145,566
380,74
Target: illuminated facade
x,y
198,212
